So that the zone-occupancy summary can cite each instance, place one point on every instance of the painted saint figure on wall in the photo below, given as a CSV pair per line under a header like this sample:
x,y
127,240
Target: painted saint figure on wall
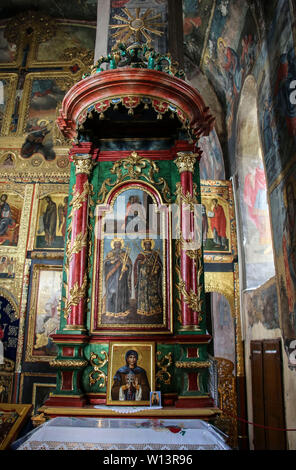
x,y
148,280
218,224
50,221
117,274
130,381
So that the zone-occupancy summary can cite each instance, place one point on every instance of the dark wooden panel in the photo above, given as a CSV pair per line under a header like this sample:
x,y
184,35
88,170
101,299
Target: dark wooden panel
x,y
258,394
273,395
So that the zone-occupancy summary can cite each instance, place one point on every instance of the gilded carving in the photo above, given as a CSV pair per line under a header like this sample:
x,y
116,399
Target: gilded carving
x,y
192,365
22,315
43,26
79,198
68,363
192,299
97,375
132,168
83,164
76,294
186,161
79,243
240,366
187,198
163,363
227,400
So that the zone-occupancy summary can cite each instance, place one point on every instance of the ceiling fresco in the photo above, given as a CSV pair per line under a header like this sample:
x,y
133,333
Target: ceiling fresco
x,y
75,9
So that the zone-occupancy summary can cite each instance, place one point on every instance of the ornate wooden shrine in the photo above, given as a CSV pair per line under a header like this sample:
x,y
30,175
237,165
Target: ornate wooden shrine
x,y
133,281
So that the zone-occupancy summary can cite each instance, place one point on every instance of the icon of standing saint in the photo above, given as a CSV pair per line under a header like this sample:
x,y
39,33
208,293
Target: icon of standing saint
x,y
143,297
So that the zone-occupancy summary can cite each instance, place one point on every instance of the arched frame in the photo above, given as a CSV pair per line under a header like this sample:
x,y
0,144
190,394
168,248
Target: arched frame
x,y
162,255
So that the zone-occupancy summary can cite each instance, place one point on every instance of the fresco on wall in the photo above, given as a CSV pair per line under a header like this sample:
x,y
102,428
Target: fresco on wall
x,y
44,98
223,328
283,204
196,17
261,305
230,54
211,166
70,36
274,70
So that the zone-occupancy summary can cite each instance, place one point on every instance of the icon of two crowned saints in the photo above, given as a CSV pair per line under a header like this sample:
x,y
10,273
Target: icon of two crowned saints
x,y
145,273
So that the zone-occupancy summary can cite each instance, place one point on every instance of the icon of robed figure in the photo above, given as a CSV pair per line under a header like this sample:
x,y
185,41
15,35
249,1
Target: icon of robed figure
x,y
117,274
130,381
148,280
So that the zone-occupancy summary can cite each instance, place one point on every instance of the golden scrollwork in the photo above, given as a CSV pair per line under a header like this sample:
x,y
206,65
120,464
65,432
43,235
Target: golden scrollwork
x,y
163,363
192,299
38,419
83,164
192,364
97,374
186,198
7,366
79,198
79,243
76,294
186,161
132,168
227,399
69,363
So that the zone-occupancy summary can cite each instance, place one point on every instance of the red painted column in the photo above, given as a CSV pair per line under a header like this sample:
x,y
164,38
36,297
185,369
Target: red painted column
x,y
188,267
77,251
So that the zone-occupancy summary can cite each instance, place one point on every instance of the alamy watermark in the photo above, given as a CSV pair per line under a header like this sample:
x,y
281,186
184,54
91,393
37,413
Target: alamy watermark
x,y
135,221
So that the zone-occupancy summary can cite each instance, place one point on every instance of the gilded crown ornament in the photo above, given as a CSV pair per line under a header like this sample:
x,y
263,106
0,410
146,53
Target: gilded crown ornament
x,y
137,54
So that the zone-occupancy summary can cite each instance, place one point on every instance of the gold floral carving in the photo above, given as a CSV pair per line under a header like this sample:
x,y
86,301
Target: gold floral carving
x,y
192,299
132,168
192,365
93,377
79,198
7,366
163,363
79,243
83,164
186,161
188,199
227,400
76,294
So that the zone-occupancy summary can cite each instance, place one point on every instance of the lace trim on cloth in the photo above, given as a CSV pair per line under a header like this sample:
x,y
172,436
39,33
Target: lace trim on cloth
x,y
127,409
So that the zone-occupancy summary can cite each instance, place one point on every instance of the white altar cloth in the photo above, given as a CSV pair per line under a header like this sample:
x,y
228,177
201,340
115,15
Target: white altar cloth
x,y
66,433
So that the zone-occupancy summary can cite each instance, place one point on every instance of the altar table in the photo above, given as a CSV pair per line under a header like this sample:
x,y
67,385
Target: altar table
x,y
70,433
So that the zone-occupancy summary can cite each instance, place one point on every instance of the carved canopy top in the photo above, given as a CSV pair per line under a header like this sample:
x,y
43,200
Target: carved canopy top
x,y
131,86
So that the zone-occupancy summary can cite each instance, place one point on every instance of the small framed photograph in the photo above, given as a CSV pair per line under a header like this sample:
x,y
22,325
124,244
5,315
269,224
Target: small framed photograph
x,y
131,373
155,399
